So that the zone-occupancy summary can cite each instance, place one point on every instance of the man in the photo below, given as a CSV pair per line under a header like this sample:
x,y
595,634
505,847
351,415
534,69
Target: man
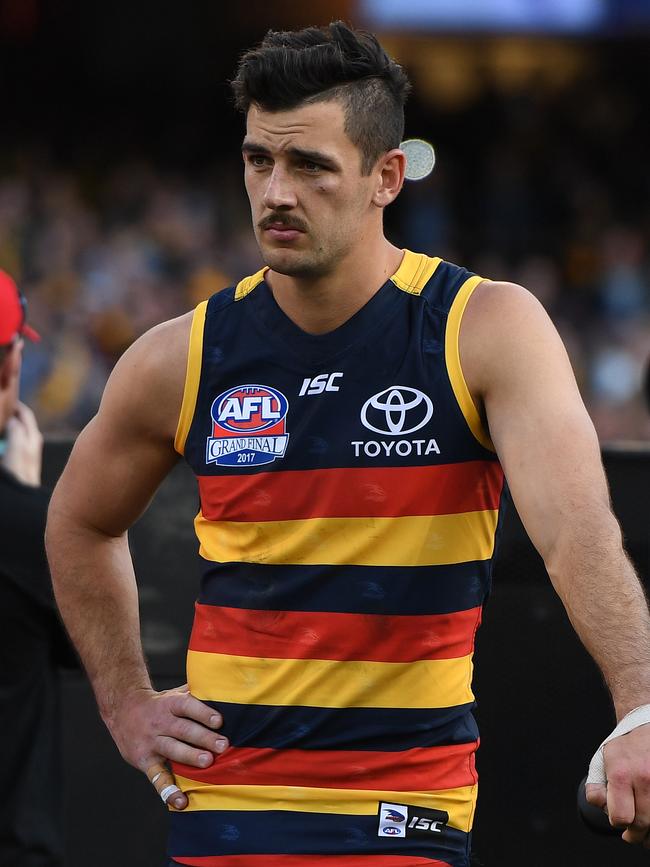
x,y
347,412
31,820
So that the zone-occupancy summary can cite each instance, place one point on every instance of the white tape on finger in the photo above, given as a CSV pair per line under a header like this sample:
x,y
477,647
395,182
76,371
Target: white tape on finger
x,y
640,716
167,792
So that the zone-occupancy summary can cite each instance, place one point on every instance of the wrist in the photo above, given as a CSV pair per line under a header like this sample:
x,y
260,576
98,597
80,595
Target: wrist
x,y
624,704
118,701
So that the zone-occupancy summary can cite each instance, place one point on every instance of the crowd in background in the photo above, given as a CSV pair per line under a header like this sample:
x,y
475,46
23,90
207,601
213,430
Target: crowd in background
x,y
546,189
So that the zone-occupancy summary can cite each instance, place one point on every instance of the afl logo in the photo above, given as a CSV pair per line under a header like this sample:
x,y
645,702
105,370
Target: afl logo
x,y
249,409
248,426
391,830
398,409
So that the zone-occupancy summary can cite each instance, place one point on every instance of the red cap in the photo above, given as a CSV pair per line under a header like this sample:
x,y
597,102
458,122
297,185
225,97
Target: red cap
x,y
12,312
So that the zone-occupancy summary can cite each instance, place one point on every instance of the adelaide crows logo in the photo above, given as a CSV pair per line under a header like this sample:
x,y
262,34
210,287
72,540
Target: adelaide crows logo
x,y
249,426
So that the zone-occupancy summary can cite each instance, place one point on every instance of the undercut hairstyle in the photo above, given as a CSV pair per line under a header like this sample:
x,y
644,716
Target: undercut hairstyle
x,y
318,64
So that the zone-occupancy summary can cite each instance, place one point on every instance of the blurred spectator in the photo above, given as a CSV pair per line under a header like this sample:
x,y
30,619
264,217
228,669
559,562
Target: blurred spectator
x,y
33,641
550,193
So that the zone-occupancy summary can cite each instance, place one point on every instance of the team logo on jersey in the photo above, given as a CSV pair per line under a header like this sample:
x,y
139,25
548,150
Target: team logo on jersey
x,y
396,410
249,426
423,822
396,815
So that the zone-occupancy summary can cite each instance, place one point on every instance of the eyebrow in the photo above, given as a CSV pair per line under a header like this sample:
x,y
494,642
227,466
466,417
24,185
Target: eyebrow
x,y
250,147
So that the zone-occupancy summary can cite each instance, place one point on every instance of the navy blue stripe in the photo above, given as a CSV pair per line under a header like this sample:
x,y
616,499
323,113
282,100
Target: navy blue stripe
x,y
443,287
352,589
322,728
279,832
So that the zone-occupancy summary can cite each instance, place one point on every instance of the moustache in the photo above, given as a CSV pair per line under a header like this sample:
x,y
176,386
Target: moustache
x,y
284,221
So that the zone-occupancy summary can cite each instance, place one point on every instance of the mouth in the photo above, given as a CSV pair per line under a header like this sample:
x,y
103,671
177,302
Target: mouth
x,y
278,230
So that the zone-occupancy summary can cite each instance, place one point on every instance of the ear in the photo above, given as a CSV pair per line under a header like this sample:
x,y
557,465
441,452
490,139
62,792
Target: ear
x,y
389,172
10,365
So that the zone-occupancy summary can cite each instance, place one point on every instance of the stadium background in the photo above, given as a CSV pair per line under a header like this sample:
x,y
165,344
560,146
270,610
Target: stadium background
x,y
121,204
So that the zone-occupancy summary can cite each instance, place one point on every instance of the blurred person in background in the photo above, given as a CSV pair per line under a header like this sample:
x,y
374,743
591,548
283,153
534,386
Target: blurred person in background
x,y
322,718
33,643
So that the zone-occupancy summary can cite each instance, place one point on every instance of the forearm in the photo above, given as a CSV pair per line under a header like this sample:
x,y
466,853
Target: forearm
x,y
606,605
95,590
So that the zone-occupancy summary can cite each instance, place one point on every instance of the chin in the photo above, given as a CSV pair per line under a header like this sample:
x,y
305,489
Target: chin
x,y
292,263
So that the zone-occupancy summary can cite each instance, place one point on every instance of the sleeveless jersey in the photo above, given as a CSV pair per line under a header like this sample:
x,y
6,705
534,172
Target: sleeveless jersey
x,y
349,509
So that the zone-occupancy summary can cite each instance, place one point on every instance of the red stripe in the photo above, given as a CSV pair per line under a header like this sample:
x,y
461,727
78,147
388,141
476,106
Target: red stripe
x,y
358,492
310,861
419,769
328,635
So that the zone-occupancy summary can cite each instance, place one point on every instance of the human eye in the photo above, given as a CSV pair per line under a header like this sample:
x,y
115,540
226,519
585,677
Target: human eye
x,y
257,161
311,167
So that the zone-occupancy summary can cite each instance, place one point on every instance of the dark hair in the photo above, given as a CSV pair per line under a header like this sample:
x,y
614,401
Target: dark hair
x,y
329,63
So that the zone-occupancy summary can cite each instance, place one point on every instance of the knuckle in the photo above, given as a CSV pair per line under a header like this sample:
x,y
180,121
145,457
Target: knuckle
x,y
619,776
183,730
641,822
619,820
643,775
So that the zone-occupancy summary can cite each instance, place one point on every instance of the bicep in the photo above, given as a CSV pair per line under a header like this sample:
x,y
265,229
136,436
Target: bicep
x,y
109,480
541,430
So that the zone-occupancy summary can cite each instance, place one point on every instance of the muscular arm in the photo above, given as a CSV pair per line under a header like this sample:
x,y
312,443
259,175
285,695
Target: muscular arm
x,y
115,467
518,371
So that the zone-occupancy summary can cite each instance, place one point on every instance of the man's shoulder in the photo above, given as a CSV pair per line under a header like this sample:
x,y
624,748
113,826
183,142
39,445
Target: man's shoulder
x,y
503,322
148,381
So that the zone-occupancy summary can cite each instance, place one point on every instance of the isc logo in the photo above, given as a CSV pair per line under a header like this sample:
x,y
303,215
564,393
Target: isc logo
x,y
426,824
319,384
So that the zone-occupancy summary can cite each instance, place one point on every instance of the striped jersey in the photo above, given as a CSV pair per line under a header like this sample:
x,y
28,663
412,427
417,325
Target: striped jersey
x,y
349,509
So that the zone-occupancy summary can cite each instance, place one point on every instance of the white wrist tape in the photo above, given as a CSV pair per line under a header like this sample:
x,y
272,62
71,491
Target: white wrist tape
x,y
640,716
167,792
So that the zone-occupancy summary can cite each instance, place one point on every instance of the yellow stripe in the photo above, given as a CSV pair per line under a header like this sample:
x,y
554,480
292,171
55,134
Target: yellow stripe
x,y
413,541
192,377
459,803
249,283
454,369
414,272
329,683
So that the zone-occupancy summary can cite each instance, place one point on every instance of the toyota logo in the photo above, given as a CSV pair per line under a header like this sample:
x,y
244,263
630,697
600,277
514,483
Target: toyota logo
x,y
397,410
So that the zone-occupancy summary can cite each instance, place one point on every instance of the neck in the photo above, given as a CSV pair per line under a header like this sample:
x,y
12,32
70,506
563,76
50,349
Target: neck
x,y
320,304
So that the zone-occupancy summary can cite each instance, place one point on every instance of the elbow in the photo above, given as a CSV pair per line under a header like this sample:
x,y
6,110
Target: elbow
x,y
582,542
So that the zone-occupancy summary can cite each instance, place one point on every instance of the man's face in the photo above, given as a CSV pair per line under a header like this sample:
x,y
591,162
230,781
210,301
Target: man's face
x,y
309,201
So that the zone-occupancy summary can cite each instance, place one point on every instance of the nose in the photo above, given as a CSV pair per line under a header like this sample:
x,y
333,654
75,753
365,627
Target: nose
x,y
279,191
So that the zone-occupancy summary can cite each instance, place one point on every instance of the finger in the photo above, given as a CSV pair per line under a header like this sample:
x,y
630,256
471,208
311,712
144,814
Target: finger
x,y
13,426
620,801
164,783
178,751
27,418
186,705
637,832
596,795
197,735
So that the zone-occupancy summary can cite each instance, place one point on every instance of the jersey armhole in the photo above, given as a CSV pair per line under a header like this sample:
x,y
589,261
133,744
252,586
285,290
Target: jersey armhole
x,y
454,369
192,377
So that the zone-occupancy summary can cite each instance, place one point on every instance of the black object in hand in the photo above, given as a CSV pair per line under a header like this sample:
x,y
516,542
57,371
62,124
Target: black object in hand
x,y
593,817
